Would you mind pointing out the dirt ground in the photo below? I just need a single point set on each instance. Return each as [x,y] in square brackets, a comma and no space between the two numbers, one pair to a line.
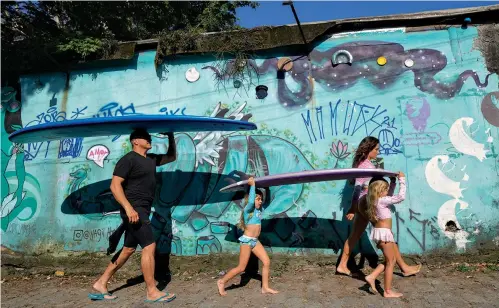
[304,281]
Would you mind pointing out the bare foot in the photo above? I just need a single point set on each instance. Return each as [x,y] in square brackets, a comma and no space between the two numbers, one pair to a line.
[413,270]
[269,291]
[343,271]
[372,283]
[160,296]
[392,293]
[221,287]
[99,287]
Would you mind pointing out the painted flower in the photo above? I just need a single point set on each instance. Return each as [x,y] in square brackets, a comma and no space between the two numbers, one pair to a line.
[340,150]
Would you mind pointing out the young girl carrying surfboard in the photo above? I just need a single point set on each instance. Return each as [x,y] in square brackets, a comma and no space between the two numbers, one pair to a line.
[250,223]
[375,208]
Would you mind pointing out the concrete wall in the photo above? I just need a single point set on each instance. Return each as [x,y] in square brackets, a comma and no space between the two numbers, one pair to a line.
[437,121]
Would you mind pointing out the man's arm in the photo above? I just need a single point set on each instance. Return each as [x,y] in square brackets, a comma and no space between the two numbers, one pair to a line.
[171,155]
[119,195]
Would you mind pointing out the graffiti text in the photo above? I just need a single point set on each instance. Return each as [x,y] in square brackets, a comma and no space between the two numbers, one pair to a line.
[347,118]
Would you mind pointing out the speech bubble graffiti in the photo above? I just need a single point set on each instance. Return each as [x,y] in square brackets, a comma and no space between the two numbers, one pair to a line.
[97,154]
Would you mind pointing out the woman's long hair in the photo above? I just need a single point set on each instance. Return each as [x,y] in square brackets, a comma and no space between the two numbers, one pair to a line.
[366,145]
[376,188]
[241,225]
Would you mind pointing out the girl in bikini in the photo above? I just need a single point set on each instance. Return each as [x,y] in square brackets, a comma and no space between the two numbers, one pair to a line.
[250,223]
[368,150]
[375,208]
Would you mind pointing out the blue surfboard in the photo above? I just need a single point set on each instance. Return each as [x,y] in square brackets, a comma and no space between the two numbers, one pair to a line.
[92,127]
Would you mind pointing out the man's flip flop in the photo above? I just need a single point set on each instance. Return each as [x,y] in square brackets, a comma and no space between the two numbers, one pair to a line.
[161,299]
[343,274]
[100,296]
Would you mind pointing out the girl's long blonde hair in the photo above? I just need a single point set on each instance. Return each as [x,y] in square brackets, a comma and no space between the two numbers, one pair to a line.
[241,225]
[376,188]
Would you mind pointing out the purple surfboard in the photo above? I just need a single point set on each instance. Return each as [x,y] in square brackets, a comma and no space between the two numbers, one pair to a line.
[309,177]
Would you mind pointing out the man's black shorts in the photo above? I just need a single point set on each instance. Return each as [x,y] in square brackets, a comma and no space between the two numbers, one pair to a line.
[139,233]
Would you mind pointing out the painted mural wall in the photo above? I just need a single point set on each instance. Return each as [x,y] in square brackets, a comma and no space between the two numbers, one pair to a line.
[426,95]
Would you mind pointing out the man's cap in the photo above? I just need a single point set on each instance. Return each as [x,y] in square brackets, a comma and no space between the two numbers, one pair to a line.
[140,134]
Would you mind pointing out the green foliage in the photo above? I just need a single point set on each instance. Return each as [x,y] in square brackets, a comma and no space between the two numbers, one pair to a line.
[83,47]
[48,33]
[173,42]
[221,15]
[464,268]
[209,16]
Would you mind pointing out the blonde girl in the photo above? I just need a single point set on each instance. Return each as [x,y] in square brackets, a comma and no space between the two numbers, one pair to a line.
[376,208]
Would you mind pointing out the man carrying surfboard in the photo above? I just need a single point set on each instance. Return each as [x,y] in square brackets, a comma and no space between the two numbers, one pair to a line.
[133,186]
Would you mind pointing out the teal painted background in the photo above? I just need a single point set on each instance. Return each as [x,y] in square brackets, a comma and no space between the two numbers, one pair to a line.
[437,122]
